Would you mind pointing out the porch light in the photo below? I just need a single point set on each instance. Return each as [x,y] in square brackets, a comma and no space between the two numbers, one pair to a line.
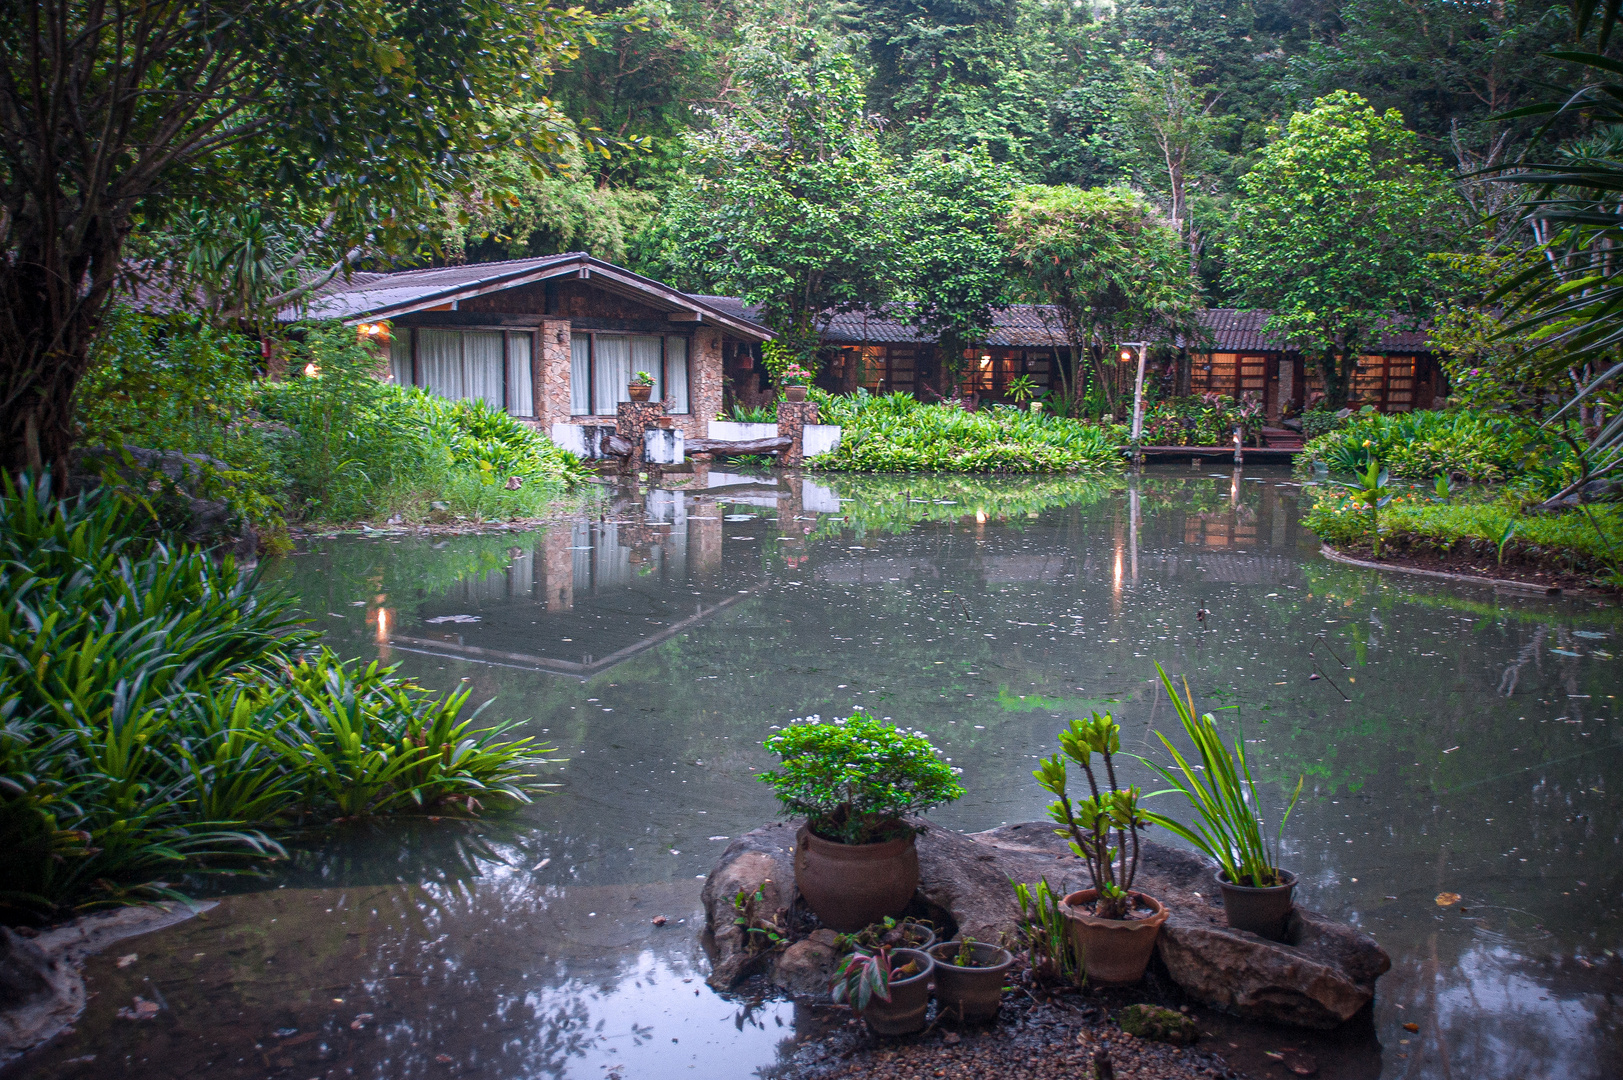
[311,370]
[1126,356]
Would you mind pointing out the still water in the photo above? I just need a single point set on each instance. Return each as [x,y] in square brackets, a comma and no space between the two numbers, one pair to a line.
[1456,741]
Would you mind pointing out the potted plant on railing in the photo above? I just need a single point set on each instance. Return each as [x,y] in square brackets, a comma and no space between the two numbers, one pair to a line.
[890,988]
[641,387]
[1257,894]
[969,978]
[795,379]
[1112,927]
[853,781]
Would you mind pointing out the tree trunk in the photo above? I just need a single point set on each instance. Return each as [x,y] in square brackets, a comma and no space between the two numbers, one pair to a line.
[49,317]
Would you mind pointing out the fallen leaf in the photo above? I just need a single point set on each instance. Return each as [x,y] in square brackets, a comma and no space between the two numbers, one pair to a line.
[1446,899]
[141,1010]
[660,920]
[1411,1027]
[360,1021]
[1301,1064]
[127,960]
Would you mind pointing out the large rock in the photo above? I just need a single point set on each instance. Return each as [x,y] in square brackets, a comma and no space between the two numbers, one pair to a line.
[1324,975]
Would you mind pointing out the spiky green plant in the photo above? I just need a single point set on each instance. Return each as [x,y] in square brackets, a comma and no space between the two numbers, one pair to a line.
[1224,796]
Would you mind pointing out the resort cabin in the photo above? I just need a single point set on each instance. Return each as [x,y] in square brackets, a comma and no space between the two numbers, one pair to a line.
[552,340]
[1399,375]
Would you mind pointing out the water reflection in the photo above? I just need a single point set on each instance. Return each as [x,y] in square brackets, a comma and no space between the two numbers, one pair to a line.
[655,641]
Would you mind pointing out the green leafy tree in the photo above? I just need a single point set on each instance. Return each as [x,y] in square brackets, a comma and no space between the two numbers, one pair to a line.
[113,114]
[1174,127]
[789,203]
[952,270]
[1108,265]
[1334,229]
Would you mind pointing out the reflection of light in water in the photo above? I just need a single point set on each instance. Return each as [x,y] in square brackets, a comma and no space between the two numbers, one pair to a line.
[383,624]
[980,517]
[1118,569]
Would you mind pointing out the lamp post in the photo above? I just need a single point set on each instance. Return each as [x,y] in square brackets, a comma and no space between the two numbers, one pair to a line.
[1128,349]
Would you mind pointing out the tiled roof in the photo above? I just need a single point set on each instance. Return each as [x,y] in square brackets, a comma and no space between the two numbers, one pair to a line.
[1038,326]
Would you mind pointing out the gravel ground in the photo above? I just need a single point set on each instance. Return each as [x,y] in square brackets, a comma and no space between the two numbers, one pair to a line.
[1031,1041]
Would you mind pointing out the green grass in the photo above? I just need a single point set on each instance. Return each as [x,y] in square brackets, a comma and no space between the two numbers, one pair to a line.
[162,715]
[898,434]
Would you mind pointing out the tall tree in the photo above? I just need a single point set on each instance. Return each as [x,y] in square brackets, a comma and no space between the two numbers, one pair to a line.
[1173,124]
[788,204]
[1108,265]
[1335,229]
[114,112]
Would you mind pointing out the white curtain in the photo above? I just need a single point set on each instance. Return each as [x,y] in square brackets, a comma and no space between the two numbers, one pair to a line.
[482,365]
[520,383]
[580,376]
[676,374]
[645,356]
[400,356]
[439,356]
[611,361]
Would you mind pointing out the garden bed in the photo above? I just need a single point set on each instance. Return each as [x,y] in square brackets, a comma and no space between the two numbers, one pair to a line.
[1468,560]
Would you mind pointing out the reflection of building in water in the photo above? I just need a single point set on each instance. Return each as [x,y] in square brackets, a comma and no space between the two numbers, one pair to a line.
[607,589]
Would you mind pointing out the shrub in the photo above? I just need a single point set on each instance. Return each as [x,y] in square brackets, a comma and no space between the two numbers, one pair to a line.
[1463,443]
[156,720]
[853,778]
[897,433]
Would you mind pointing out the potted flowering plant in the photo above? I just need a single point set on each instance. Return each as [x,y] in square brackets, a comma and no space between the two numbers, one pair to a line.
[1112,927]
[641,387]
[853,781]
[795,379]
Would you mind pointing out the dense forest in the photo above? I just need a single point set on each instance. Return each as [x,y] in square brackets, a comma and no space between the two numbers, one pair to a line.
[1176,98]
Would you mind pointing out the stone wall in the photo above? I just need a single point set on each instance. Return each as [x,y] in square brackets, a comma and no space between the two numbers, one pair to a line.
[550,369]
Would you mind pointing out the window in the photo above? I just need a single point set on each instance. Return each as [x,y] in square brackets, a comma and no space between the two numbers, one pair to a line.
[468,365]
[601,367]
[871,368]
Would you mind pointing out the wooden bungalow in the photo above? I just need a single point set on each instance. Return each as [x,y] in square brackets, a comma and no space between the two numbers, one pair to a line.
[553,340]
[1400,374]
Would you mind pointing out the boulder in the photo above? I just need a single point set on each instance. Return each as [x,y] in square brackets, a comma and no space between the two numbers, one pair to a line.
[1162,1025]
[1322,976]
[764,861]
[805,968]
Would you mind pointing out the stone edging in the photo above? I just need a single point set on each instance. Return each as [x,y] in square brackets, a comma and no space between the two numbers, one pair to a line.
[1468,579]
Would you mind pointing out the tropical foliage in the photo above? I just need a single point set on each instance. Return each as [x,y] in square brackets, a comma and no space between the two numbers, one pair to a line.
[1464,444]
[163,714]
[1223,794]
[854,779]
[897,433]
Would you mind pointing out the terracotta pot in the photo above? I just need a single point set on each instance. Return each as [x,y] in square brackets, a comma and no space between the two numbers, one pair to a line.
[1114,952]
[794,393]
[852,885]
[970,993]
[1265,912]
[903,1014]
[640,391]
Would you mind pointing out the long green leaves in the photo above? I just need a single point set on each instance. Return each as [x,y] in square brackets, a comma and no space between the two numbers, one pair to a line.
[1224,796]
[154,721]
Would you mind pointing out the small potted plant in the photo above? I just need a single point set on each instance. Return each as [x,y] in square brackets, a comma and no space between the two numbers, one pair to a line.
[888,932]
[853,781]
[969,977]
[889,988]
[1257,894]
[795,379]
[1112,927]
[641,387]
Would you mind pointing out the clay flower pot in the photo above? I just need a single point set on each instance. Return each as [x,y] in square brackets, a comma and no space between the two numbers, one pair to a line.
[1265,912]
[640,391]
[849,886]
[794,393]
[970,993]
[1114,952]
[903,1014]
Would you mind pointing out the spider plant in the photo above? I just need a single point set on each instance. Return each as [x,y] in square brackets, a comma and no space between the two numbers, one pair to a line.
[1224,795]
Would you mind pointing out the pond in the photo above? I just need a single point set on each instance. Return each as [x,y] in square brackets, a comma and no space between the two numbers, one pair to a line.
[1456,741]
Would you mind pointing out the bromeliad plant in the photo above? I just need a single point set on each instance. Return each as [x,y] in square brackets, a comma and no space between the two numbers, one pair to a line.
[1224,795]
[1090,822]
[853,780]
